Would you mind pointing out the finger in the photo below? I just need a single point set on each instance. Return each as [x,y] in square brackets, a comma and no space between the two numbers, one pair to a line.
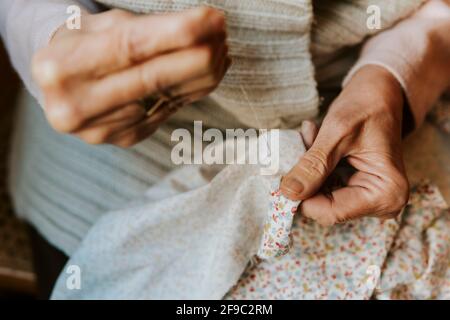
[100,130]
[220,63]
[103,21]
[366,195]
[204,82]
[339,206]
[131,41]
[195,96]
[129,137]
[106,20]
[99,22]
[309,132]
[154,76]
[313,168]
[132,84]
[133,111]
[169,106]
[140,131]
[104,128]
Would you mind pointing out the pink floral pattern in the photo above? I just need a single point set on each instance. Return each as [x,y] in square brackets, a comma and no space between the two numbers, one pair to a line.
[277,238]
[404,258]
[418,264]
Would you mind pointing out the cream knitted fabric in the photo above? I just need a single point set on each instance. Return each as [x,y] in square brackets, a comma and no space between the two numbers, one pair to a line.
[269,43]
[338,24]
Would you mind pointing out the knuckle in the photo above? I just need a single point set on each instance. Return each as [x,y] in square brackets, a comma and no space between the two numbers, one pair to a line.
[97,136]
[324,218]
[393,196]
[378,202]
[150,81]
[143,79]
[399,196]
[64,118]
[375,198]
[221,20]
[158,84]
[127,141]
[41,56]
[132,138]
[45,70]
[187,28]
[207,13]
[327,221]
[398,187]
[315,162]
[203,14]
[126,47]
[132,111]
[340,126]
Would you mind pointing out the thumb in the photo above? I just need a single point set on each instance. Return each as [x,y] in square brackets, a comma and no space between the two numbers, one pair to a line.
[309,174]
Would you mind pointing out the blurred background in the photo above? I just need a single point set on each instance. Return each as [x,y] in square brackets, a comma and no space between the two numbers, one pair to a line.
[16,270]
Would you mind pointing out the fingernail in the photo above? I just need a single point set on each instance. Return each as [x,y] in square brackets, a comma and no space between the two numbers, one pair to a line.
[292,185]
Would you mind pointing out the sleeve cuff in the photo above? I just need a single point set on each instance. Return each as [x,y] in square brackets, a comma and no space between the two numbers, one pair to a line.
[30,27]
[420,65]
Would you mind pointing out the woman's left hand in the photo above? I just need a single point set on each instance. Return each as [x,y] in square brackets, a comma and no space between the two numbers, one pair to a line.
[364,127]
[120,76]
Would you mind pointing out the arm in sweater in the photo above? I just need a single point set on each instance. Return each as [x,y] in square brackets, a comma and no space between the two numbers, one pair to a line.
[26,26]
[417,52]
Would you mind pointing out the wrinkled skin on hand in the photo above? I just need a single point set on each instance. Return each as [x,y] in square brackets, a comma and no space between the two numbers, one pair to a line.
[363,127]
[93,78]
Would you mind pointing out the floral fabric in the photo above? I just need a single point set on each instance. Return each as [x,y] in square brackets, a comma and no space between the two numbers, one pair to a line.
[406,258]
[418,264]
[277,238]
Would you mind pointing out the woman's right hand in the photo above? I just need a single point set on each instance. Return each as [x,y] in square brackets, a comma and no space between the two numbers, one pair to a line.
[93,79]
